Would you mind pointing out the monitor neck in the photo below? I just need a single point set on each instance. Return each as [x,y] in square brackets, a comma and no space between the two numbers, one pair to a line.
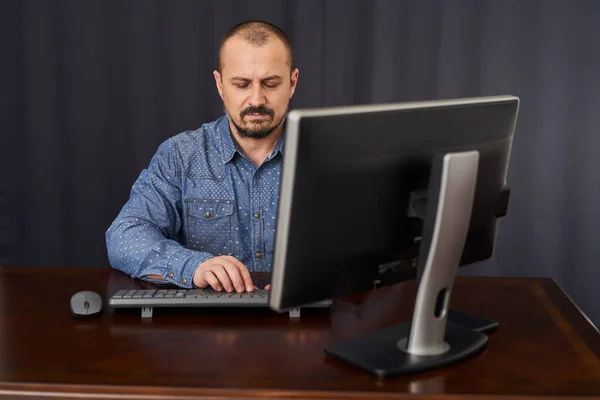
[447,217]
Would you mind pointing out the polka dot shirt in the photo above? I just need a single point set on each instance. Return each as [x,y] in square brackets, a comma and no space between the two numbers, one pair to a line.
[200,197]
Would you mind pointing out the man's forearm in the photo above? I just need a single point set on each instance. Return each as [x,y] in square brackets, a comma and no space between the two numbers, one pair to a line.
[139,249]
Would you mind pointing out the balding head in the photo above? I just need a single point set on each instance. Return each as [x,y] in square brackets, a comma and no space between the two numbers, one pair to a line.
[256,33]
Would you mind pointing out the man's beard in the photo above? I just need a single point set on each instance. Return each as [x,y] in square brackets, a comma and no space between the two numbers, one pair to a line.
[255,134]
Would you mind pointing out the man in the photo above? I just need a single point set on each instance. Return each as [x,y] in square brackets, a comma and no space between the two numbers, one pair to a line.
[203,213]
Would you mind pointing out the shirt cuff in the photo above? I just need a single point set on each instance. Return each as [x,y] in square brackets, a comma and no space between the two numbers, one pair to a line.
[183,264]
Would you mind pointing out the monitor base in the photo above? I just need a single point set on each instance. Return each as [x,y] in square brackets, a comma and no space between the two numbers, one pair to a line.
[471,321]
[383,352]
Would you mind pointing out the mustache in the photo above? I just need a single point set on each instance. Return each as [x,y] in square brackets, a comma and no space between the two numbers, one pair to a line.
[262,110]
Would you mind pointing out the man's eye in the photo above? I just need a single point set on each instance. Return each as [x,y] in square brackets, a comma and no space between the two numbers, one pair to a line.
[242,85]
[271,85]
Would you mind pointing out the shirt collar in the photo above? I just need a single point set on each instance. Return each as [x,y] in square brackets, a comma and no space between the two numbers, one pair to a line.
[228,144]
[230,147]
[278,147]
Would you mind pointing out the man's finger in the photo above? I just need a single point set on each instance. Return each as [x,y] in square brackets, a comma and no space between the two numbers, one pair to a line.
[234,274]
[223,277]
[245,275]
[268,287]
[212,280]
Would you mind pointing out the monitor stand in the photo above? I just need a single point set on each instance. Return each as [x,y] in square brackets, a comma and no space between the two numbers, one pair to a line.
[429,341]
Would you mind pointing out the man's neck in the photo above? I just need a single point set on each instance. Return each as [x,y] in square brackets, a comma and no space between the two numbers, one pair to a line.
[257,150]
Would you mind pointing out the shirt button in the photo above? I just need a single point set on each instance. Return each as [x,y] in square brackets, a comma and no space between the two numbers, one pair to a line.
[171,275]
[258,255]
[256,215]
[184,280]
[207,214]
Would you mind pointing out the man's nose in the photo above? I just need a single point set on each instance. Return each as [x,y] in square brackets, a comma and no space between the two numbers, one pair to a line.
[257,97]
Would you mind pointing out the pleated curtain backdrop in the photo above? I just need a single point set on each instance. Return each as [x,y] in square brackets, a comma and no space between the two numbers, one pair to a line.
[91,88]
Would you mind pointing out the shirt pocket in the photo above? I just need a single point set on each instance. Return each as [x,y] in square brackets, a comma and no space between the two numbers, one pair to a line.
[209,224]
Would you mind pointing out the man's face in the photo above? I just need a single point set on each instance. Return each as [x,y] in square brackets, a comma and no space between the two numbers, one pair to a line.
[256,85]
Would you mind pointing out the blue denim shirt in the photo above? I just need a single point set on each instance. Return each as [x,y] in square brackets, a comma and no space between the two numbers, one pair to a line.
[200,197]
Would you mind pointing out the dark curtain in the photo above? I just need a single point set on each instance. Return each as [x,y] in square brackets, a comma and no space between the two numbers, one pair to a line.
[90,88]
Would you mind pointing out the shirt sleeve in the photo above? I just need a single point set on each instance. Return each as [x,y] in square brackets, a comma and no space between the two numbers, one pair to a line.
[142,239]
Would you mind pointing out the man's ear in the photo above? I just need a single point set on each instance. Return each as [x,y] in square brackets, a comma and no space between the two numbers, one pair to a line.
[294,81]
[219,83]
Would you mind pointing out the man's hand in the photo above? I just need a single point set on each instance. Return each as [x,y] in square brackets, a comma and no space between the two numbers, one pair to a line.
[223,272]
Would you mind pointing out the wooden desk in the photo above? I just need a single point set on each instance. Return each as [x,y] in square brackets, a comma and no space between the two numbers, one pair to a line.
[544,346]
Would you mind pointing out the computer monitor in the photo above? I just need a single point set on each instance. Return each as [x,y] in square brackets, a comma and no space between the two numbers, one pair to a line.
[376,194]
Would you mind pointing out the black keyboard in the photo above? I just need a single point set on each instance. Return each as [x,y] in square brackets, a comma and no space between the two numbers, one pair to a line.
[149,299]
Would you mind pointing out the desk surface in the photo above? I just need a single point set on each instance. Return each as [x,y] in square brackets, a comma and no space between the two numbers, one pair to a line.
[543,346]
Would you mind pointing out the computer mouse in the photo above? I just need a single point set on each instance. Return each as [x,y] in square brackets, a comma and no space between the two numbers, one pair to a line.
[86,304]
